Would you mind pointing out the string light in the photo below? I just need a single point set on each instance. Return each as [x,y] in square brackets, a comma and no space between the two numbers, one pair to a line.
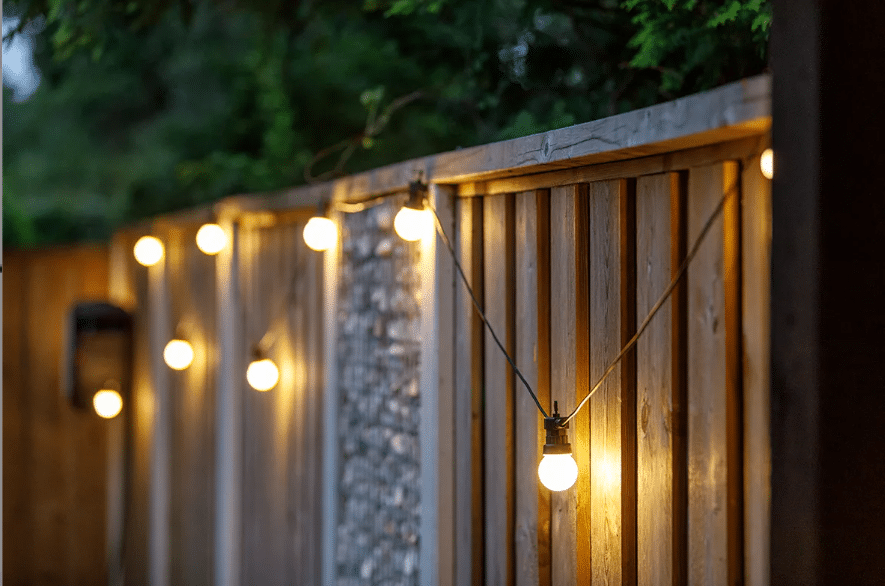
[148,251]
[413,221]
[107,403]
[178,354]
[262,374]
[320,233]
[558,470]
[211,238]
[766,163]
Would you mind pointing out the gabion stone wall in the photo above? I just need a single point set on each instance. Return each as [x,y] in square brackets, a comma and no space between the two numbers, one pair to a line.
[378,372]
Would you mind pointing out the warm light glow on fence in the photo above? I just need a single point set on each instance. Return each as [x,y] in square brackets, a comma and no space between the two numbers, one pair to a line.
[178,354]
[263,375]
[766,163]
[211,238]
[107,403]
[320,233]
[412,224]
[148,251]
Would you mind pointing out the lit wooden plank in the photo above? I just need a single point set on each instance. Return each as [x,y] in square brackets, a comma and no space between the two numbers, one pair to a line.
[654,397]
[707,518]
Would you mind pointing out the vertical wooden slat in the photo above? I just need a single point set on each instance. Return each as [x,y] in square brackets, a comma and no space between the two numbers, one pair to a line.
[528,451]
[229,409]
[581,423]
[653,384]
[756,258]
[542,245]
[707,457]
[563,378]
[498,216]
[469,542]
[435,431]
[627,299]
[679,373]
[160,332]
[17,512]
[733,371]
[605,406]
[314,355]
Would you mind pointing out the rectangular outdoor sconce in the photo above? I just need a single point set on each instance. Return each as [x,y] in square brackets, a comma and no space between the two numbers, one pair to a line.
[98,357]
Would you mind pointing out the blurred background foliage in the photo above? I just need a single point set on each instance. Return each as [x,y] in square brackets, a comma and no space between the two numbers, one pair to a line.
[148,107]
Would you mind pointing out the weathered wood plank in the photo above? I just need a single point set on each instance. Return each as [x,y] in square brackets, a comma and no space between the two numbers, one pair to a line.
[605,406]
[469,542]
[542,199]
[159,333]
[707,458]
[563,376]
[653,384]
[314,356]
[229,408]
[731,252]
[756,259]
[437,386]
[627,299]
[498,218]
[528,451]
[654,164]
[17,460]
[679,373]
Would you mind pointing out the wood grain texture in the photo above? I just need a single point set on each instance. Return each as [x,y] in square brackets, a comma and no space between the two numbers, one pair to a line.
[734,428]
[707,457]
[756,267]
[498,219]
[653,384]
[229,405]
[55,456]
[192,402]
[542,203]
[469,480]
[528,451]
[605,405]
[647,165]
[679,373]
[563,376]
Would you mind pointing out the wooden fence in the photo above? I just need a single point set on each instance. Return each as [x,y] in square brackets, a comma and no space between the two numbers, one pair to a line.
[568,239]
[55,456]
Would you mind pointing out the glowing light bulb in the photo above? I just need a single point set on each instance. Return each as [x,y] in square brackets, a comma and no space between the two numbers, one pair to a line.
[412,224]
[107,403]
[148,251]
[263,375]
[178,354]
[766,163]
[211,238]
[320,233]
[558,471]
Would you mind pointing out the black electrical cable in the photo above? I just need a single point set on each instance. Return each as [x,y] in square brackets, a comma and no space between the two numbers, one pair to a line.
[645,323]
[482,315]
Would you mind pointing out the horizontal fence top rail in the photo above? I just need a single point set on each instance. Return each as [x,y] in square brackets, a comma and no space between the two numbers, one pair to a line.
[730,112]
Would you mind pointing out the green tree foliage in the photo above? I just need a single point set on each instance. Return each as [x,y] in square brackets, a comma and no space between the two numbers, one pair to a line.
[148,107]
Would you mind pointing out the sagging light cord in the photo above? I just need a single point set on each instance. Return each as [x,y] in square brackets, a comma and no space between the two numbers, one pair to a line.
[479,310]
[658,305]
[628,346]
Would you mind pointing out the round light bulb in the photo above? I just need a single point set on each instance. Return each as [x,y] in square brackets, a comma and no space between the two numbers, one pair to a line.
[211,238]
[412,224]
[148,251]
[558,471]
[320,233]
[766,163]
[263,375]
[178,354]
[107,403]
